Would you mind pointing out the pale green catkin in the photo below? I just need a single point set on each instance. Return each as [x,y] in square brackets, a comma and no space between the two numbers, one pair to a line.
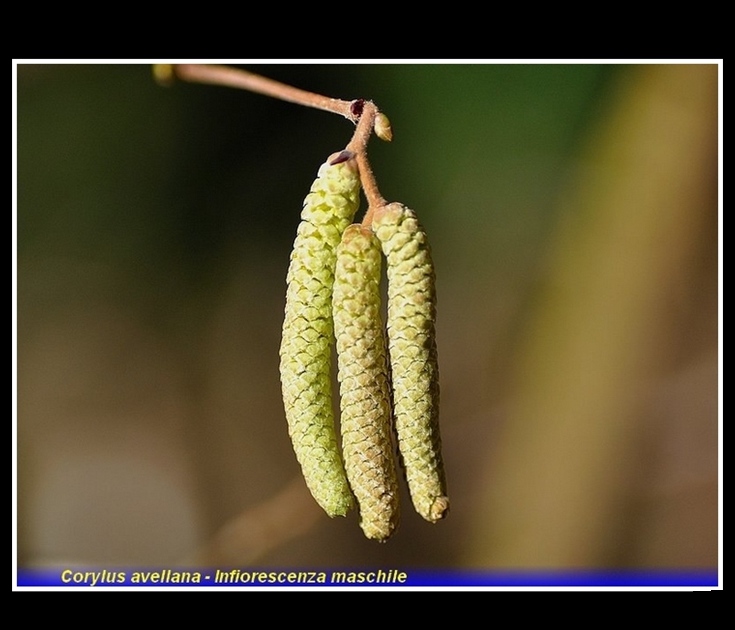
[363,376]
[308,332]
[413,358]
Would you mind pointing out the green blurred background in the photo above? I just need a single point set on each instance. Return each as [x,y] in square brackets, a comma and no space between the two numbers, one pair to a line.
[572,211]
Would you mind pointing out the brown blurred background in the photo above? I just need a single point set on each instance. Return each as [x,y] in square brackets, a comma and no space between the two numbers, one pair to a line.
[573,216]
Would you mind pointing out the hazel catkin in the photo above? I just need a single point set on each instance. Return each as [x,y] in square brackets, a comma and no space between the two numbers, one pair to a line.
[364,390]
[308,335]
[413,356]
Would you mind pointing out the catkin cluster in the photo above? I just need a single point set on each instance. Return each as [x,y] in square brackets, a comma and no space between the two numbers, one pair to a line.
[386,386]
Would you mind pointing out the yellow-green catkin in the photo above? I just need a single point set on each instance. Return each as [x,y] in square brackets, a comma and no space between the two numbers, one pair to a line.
[413,357]
[367,444]
[308,332]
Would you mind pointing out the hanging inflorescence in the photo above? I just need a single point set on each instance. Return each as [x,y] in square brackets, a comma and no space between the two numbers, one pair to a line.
[387,372]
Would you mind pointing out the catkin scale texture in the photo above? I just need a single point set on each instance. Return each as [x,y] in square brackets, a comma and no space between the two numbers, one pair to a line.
[363,376]
[413,356]
[308,333]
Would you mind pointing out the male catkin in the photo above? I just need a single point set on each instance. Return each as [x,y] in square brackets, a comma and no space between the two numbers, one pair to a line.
[365,395]
[413,359]
[308,331]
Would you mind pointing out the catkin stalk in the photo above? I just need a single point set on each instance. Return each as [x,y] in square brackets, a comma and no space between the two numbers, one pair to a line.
[308,332]
[413,357]
[364,391]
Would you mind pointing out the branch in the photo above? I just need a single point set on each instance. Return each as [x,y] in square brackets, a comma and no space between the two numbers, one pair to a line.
[260,528]
[365,113]
[358,145]
[244,80]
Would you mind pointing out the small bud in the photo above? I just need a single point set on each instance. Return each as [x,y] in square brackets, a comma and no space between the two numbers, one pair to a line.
[308,333]
[357,106]
[363,376]
[339,157]
[413,357]
[382,127]
[164,74]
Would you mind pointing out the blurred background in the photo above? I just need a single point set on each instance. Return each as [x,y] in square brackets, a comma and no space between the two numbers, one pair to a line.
[572,211]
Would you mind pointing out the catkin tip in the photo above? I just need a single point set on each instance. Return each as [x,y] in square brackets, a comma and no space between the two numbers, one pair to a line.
[340,509]
[439,509]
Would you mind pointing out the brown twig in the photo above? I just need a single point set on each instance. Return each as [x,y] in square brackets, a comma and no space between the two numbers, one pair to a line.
[242,79]
[358,145]
[365,113]
[260,528]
